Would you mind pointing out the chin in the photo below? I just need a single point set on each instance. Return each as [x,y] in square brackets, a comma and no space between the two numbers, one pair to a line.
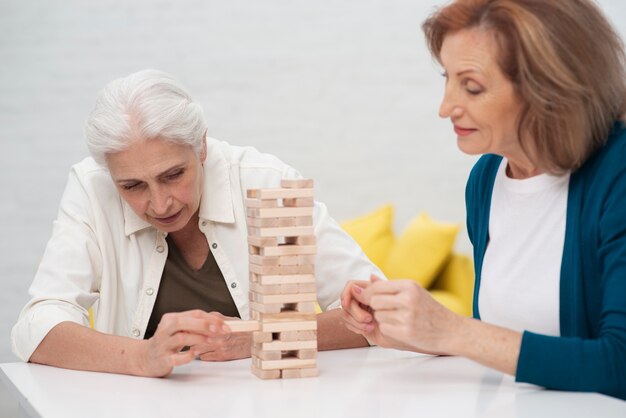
[469,147]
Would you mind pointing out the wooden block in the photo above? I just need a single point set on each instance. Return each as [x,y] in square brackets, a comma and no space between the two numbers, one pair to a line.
[284,212]
[262,337]
[287,249]
[258,203]
[296,183]
[297,336]
[281,193]
[284,260]
[279,222]
[289,298]
[265,355]
[265,374]
[285,316]
[280,326]
[291,346]
[305,307]
[274,289]
[299,373]
[296,221]
[282,279]
[281,270]
[307,288]
[299,202]
[265,222]
[265,308]
[289,231]
[262,241]
[306,352]
[296,260]
[242,326]
[303,240]
[288,363]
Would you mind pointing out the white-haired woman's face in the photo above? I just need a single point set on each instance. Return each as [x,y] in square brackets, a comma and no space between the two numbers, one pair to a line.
[161,181]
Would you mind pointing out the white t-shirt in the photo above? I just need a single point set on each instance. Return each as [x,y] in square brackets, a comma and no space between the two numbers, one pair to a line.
[521,271]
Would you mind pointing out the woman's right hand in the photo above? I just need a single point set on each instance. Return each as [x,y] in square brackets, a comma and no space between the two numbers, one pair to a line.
[359,318]
[162,352]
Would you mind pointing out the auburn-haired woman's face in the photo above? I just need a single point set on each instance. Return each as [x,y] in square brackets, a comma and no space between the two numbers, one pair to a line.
[479,100]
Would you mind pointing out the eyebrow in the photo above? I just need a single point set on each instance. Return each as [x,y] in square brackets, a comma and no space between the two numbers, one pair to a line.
[160,175]
[469,70]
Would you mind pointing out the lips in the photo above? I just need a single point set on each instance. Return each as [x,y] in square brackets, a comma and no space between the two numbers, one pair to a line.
[463,131]
[168,219]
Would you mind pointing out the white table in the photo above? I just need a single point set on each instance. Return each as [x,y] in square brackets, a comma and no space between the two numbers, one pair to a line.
[366,382]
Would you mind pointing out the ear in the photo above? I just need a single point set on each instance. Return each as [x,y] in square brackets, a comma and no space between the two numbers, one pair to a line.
[203,153]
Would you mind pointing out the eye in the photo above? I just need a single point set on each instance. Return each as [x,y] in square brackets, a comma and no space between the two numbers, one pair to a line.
[472,87]
[130,186]
[176,174]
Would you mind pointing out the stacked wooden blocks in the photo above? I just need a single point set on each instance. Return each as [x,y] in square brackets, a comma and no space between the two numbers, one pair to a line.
[282,280]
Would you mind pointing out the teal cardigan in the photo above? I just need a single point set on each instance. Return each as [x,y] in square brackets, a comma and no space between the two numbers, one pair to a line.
[590,354]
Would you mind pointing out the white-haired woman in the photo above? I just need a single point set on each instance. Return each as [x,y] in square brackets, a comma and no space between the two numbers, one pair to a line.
[153,229]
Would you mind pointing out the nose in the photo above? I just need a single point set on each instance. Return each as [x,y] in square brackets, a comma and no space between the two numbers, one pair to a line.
[160,201]
[450,106]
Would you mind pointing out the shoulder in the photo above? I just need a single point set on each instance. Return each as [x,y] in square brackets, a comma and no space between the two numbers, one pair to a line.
[482,175]
[89,185]
[608,164]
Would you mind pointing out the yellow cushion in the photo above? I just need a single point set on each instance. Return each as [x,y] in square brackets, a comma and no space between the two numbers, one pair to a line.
[373,232]
[421,250]
[457,278]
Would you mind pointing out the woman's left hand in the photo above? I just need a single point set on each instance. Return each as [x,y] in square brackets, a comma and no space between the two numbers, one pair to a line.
[407,313]
[230,346]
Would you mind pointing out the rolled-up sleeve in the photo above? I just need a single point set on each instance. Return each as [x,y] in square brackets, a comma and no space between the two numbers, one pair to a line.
[66,282]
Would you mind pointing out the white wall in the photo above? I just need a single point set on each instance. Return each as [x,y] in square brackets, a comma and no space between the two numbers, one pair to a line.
[343,90]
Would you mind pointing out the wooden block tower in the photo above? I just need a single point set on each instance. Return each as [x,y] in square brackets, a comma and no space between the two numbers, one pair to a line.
[282,280]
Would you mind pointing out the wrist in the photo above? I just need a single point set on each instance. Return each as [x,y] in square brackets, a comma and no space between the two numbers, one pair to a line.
[134,357]
[460,336]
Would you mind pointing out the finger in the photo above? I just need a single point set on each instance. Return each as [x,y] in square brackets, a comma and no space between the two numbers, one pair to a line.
[384,301]
[204,324]
[388,287]
[374,278]
[346,294]
[176,342]
[390,318]
[360,313]
[182,358]
[355,325]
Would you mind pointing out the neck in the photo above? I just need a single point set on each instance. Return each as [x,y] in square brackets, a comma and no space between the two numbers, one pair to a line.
[188,231]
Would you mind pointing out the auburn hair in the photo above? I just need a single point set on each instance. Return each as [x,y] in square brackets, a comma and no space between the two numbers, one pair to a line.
[566,63]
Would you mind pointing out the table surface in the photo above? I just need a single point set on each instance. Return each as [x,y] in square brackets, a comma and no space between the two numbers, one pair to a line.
[365,382]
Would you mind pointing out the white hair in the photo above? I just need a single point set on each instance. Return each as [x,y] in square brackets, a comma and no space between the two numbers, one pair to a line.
[148,104]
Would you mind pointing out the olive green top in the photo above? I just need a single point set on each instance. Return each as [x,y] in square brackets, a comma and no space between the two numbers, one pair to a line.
[182,288]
